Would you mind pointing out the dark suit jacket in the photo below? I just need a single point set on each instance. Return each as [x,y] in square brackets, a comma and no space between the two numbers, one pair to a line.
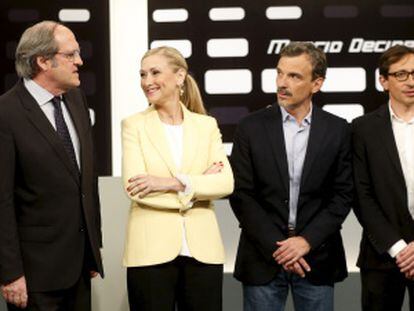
[381,193]
[260,200]
[48,211]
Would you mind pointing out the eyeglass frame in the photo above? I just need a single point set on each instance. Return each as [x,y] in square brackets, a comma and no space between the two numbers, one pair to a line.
[407,73]
[70,56]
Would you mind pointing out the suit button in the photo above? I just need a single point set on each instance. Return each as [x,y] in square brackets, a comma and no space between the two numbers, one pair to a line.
[83,195]
[81,229]
[286,201]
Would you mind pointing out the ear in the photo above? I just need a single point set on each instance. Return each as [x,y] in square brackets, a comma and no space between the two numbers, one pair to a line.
[180,75]
[43,63]
[317,84]
[384,82]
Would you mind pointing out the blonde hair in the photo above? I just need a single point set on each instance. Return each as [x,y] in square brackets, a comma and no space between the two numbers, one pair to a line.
[191,97]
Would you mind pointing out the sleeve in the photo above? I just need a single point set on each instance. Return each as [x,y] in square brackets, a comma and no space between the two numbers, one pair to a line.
[330,219]
[210,186]
[254,220]
[396,248]
[133,164]
[11,266]
[379,230]
[97,202]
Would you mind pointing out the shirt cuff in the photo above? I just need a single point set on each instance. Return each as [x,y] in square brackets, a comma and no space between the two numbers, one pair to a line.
[396,248]
[187,189]
[186,183]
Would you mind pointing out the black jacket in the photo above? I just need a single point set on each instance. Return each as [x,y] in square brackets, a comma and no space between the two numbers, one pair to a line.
[260,200]
[381,193]
[48,210]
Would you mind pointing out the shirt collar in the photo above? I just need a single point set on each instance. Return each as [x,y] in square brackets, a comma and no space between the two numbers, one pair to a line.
[286,116]
[396,118]
[40,94]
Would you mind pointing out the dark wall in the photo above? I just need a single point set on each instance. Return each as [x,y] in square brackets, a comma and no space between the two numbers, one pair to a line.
[93,37]
[324,21]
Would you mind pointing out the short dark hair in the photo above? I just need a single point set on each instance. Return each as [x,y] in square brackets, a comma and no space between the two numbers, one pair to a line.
[391,56]
[317,56]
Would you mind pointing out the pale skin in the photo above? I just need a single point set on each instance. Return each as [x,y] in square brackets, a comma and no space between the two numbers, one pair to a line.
[161,84]
[295,87]
[401,95]
[57,75]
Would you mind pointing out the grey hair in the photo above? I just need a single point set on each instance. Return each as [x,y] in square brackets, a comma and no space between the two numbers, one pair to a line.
[38,40]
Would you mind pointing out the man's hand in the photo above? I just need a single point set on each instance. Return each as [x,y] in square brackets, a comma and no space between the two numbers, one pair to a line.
[16,292]
[143,184]
[405,261]
[299,267]
[291,250]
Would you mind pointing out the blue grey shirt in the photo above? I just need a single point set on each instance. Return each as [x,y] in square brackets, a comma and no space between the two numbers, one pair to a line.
[296,141]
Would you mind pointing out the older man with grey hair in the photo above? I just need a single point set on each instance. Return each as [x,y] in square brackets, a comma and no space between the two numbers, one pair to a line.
[50,235]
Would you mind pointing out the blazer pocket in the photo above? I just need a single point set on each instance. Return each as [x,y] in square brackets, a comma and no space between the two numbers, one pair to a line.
[40,234]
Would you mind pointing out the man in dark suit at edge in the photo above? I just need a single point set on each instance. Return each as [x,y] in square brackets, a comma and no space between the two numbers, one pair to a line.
[50,235]
[383,157]
[293,190]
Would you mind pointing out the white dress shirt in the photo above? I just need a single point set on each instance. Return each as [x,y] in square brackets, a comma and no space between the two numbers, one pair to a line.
[44,98]
[174,134]
[404,138]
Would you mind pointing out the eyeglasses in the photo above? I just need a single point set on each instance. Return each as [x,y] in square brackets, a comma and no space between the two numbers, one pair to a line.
[402,75]
[70,56]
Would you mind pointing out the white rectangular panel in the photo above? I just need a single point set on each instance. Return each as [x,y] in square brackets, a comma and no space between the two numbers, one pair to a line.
[269,80]
[228,81]
[378,85]
[349,79]
[227,47]
[74,15]
[226,14]
[184,46]
[170,15]
[346,111]
[283,12]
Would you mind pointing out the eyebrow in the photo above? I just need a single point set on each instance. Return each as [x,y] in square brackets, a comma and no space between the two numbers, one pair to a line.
[152,68]
[289,72]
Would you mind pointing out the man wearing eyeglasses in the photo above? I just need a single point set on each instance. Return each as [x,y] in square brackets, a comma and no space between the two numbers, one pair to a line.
[50,235]
[383,159]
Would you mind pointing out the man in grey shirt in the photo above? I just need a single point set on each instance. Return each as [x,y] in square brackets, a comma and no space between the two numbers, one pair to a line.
[293,190]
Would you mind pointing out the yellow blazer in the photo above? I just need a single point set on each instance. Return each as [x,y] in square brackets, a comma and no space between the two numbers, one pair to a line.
[154,233]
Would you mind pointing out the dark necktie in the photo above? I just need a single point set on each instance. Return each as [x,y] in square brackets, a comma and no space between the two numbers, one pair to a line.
[62,129]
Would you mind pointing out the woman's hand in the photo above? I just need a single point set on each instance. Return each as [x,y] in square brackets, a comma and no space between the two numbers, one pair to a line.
[215,168]
[143,184]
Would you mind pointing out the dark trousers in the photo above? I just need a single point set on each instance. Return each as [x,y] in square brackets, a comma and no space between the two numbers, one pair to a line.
[74,298]
[383,290]
[184,283]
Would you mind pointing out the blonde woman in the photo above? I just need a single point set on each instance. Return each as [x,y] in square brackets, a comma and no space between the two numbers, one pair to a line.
[174,166]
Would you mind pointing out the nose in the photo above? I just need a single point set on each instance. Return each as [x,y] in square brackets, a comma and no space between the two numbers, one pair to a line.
[280,80]
[147,80]
[78,60]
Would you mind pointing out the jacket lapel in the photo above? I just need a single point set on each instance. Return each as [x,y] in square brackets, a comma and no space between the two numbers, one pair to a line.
[274,127]
[76,116]
[315,142]
[156,134]
[39,120]
[386,133]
